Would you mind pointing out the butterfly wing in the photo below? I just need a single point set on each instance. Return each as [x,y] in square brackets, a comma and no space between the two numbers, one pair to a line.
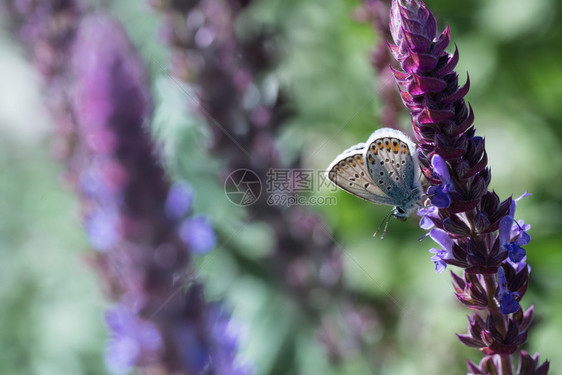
[392,164]
[348,172]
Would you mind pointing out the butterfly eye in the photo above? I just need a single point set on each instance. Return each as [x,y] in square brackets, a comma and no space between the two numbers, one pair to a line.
[400,210]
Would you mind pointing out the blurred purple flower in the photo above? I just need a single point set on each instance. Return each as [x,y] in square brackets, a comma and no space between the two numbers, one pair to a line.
[133,341]
[98,92]
[179,200]
[207,343]
[101,227]
[226,335]
[198,234]
[232,73]
[103,78]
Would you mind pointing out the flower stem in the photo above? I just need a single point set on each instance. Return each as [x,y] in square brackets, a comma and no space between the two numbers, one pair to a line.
[506,365]
[493,308]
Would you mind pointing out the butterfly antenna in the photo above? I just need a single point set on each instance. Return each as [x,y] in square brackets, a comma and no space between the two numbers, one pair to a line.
[385,221]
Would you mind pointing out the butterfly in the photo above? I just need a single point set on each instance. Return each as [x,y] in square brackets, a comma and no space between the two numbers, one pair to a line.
[383,170]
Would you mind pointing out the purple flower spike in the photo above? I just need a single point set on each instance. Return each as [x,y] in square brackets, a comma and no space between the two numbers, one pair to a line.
[198,234]
[98,91]
[476,230]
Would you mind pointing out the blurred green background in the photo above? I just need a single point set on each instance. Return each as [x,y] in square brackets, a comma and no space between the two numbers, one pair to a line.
[51,308]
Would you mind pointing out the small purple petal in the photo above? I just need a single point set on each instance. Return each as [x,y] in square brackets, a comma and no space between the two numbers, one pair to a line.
[430,211]
[504,233]
[523,239]
[512,209]
[121,355]
[440,167]
[508,304]
[524,227]
[502,282]
[516,252]
[117,320]
[442,238]
[179,200]
[426,223]
[133,340]
[101,228]
[198,234]
[439,196]
[438,259]
[428,214]
[525,194]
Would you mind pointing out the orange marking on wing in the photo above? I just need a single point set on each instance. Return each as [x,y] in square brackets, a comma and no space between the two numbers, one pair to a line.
[395,146]
[371,159]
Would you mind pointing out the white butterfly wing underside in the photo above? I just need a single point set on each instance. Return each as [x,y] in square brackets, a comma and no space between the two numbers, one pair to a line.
[392,165]
[348,171]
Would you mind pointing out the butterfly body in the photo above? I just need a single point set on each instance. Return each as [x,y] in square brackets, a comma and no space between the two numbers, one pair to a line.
[383,170]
